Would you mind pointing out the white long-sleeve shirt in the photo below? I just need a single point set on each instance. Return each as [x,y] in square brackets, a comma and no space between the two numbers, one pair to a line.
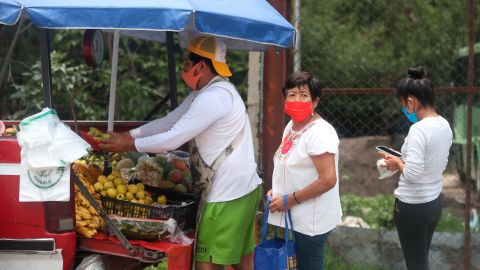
[213,115]
[425,153]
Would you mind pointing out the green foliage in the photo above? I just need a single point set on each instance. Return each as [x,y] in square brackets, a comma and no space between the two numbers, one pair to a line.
[142,79]
[449,222]
[66,78]
[375,211]
[163,265]
[370,44]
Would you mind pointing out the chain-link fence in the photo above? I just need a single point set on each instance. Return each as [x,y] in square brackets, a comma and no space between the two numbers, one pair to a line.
[360,49]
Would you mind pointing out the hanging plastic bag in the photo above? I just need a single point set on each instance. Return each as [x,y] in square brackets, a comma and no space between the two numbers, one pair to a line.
[48,147]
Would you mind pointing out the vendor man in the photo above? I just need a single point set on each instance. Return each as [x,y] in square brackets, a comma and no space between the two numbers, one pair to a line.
[213,119]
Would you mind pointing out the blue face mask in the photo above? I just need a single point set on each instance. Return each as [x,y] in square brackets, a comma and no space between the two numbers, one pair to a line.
[411,116]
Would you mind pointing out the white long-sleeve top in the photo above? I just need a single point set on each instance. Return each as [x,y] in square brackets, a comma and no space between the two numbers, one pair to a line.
[425,153]
[213,115]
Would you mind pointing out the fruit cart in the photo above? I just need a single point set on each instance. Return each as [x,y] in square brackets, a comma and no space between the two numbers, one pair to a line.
[243,24]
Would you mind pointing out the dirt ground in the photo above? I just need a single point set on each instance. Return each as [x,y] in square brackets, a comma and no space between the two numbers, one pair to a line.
[358,174]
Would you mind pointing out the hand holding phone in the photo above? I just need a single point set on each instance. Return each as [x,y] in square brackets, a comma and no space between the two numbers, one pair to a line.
[389,151]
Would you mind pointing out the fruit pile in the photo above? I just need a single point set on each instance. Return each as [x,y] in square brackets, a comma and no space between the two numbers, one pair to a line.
[87,219]
[95,162]
[97,134]
[163,171]
[176,175]
[11,131]
[114,186]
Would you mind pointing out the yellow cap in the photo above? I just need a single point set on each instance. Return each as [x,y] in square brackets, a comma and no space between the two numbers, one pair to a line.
[213,49]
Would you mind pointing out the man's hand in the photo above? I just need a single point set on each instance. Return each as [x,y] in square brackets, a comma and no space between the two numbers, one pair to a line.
[119,142]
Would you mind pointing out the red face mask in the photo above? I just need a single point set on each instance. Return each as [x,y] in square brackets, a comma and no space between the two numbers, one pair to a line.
[299,111]
[191,80]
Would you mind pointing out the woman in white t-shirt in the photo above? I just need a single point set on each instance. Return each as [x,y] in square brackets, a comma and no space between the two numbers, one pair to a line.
[306,169]
[418,204]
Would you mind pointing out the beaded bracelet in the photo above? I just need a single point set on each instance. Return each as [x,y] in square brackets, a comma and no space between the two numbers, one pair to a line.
[295,198]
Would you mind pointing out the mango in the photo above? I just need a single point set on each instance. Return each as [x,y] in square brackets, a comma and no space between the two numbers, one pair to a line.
[181,188]
[175,176]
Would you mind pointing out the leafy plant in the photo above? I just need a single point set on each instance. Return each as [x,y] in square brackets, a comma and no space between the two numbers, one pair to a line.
[377,212]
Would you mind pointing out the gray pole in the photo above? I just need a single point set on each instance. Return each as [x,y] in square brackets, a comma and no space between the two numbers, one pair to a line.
[468,173]
[297,57]
[46,67]
[172,79]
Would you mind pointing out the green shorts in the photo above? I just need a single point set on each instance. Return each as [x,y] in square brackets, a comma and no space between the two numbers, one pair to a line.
[227,229]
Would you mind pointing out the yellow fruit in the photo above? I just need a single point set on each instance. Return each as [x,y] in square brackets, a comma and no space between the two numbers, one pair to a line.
[162,200]
[140,195]
[98,187]
[112,193]
[134,201]
[120,196]
[141,186]
[110,177]
[116,173]
[122,189]
[118,181]
[103,193]
[89,233]
[108,185]
[141,201]
[132,188]
[102,179]
[148,200]
[129,196]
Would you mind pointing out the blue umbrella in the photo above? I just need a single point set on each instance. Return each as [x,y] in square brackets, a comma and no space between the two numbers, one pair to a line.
[243,24]
[253,20]
[162,15]
[9,12]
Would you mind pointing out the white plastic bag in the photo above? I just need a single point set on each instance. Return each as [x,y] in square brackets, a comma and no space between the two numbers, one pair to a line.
[48,148]
[383,172]
[48,143]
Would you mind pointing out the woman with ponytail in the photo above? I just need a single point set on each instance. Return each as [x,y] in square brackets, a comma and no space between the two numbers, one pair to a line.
[418,203]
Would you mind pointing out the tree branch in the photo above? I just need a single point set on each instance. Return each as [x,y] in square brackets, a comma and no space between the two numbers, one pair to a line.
[6,63]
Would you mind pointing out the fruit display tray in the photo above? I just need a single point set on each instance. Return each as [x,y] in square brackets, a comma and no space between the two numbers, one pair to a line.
[183,212]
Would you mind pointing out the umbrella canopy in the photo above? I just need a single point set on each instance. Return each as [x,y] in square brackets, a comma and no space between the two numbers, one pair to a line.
[160,15]
[243,24]
[9,12]
[254,20]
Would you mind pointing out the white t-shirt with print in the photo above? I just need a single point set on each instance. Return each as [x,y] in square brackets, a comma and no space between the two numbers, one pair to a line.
[295,170]
[214,116]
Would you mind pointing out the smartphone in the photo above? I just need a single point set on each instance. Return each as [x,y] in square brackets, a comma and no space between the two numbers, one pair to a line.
[389,151]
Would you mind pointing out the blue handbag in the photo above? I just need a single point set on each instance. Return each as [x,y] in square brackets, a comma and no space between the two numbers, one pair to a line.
[275,253]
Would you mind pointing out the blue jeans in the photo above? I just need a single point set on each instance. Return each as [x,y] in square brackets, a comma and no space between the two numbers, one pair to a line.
[310,250]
